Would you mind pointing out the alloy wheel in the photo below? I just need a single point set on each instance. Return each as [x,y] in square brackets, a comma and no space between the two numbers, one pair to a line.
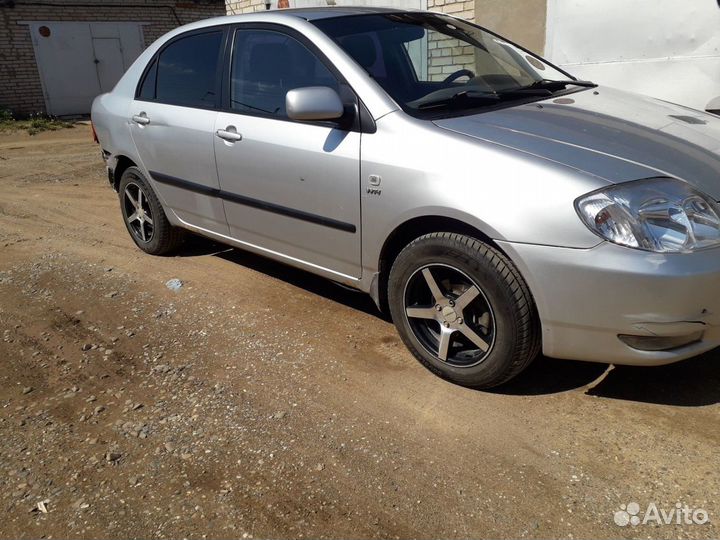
[138,212]
[449,315]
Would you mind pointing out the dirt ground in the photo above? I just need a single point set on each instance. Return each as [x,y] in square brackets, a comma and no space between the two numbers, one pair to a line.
[259,401]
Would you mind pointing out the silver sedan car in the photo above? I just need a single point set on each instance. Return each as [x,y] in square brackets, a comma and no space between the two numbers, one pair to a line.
[492,203]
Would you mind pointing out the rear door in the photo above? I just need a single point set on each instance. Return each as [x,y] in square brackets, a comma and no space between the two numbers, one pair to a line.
[291,188]
[172,123]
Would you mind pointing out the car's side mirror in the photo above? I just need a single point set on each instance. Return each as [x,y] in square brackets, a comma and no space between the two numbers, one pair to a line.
[313,103]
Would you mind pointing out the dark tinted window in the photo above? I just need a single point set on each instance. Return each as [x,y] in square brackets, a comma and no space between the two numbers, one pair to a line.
[433,65]
[266,65]
[147,90]
[187,69]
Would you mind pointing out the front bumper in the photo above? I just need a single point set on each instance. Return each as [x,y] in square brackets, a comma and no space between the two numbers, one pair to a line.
[586,298]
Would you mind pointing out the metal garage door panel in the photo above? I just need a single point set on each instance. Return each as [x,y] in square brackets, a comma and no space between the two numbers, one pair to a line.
[66,63]
[133,41]
[663,48]
[79,60]
[105,30]
[109,62]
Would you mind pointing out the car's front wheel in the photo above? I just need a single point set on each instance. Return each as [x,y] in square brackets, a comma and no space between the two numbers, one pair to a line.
[463,310]
[144,216]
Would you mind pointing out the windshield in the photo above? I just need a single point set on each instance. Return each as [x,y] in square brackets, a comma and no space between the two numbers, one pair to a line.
[435,65]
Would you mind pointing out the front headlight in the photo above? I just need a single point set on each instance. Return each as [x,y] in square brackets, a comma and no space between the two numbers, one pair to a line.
[663,215]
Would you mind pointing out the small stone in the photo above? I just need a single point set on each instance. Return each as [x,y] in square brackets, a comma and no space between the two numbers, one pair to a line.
[174,284]
[162,368]
[86,346]
[112,294]
[319,467]
[27,389]
[99,409]
[112,457]
[279,415]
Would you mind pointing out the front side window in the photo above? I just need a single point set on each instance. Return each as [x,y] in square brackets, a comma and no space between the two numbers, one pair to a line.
[267,64]
[432,64]
[187,71]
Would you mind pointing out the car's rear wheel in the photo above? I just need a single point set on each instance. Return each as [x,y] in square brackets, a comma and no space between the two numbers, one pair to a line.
[144,216]
[463,310]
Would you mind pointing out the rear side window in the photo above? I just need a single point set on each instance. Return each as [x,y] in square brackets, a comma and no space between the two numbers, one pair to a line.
[187,71]
[147,90]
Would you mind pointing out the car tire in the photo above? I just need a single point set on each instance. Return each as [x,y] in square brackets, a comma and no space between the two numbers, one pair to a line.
[144,216]
[454,296]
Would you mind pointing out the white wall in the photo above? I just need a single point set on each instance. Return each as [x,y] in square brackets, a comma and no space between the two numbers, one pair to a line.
[669,49]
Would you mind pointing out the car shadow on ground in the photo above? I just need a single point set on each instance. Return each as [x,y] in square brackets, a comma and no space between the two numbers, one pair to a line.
[196,246]
[690,383]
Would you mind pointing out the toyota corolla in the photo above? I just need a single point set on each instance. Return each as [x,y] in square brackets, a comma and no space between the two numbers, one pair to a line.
[495,205]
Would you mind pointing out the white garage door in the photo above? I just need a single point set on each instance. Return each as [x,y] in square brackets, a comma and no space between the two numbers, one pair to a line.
[669,49]
[79,60]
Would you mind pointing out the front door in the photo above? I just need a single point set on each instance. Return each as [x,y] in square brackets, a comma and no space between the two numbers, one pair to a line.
[290,188]
[172,124]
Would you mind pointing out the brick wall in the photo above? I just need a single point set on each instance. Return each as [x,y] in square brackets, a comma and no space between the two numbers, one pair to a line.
[236,7]
[445,55]
[20,87]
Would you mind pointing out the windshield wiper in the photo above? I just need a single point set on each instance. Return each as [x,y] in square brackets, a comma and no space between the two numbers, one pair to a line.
[549,84]
[525,91]
[460,97]
[543,88]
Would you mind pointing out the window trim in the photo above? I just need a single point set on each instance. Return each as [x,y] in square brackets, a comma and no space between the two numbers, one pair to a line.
[154,63]
[151,67]
[363,122]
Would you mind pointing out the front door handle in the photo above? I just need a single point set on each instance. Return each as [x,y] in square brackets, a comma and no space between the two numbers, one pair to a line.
[141,119]
[229,134]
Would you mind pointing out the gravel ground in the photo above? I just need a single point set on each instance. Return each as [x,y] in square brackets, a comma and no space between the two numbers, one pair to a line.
[258,401]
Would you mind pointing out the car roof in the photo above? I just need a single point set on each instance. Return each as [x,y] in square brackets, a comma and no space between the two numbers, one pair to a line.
[315,13]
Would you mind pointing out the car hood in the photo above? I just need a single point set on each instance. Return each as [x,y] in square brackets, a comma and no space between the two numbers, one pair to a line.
[608,133]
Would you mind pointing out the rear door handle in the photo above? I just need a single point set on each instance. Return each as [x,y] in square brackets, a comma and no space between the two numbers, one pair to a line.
[229,134]
[141,119]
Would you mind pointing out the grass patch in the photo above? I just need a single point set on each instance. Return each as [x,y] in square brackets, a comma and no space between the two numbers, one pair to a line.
[33,125]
